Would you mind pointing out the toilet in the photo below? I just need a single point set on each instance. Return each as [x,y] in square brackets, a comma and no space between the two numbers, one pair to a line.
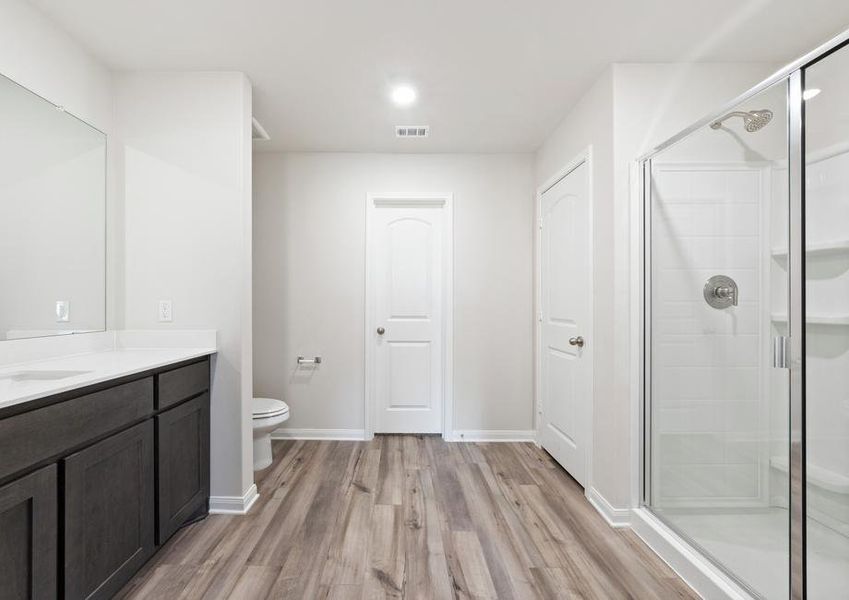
[268,415]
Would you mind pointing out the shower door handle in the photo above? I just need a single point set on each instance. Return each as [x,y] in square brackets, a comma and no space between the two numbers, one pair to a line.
[780,352]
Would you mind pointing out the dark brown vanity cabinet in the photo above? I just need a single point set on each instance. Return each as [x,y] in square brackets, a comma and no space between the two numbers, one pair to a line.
[94,480]
[28,541]
[183,457]
[109,513]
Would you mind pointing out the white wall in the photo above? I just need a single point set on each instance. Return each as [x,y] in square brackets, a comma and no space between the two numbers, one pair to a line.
[590,123]
[185,166]
[630,109]
[309,260]
[43,58]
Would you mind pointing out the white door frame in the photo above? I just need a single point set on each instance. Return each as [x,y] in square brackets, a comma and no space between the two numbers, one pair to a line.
[585,156]
[447,203]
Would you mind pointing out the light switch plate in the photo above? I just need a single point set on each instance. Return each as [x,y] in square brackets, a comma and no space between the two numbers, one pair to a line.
[165,314]
[63,311]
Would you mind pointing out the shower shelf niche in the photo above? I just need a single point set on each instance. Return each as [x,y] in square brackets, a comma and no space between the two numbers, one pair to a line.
[841,320]
[817,249]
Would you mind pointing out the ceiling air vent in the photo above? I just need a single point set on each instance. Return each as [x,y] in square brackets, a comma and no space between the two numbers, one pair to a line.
[412,131]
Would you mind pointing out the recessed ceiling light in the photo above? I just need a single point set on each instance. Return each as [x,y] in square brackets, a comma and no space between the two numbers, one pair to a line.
[403,95]
[810,93]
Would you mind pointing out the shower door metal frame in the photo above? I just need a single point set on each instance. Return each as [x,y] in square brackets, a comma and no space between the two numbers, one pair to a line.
[796,330]
[793,75]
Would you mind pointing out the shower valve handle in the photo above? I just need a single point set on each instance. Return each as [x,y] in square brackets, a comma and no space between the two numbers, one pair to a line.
[727,293]
[721,291]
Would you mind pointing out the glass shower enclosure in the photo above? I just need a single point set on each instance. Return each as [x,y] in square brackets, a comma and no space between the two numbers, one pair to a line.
[746,329]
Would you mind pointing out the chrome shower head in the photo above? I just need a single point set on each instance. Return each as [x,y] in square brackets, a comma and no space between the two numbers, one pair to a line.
[752,121]
[758,120]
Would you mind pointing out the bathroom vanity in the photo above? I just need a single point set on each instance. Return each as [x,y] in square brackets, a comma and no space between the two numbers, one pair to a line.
[95,478]
[104,432]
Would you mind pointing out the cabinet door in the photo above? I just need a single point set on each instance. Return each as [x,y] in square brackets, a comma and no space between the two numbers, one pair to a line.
[28,536]
[109,513]
[183,458]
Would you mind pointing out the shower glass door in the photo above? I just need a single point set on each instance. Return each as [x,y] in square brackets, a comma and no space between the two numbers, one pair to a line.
[827,325]
[717,299]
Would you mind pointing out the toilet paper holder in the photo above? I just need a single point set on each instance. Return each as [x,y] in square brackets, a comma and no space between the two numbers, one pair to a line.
[309,361]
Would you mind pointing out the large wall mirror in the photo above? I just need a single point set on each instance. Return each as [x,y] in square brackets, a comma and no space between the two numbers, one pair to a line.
[52,219]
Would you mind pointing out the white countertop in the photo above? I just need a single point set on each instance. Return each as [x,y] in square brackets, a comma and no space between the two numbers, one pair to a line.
[25,381]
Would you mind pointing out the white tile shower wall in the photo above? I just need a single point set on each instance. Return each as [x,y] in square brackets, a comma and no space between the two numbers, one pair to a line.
[778,380]
[827,345]
[709,409]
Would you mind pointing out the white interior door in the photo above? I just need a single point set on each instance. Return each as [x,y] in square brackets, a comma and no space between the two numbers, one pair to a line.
[565,321]
[408,243]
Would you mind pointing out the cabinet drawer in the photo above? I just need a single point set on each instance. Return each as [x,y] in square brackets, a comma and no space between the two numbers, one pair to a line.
[180,384]
[31,437]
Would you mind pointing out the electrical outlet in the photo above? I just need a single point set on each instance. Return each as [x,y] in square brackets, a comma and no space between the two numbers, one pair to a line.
[63,311]
[165,314]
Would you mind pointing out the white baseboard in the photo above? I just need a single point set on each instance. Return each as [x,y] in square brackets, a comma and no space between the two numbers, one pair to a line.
[615,517]
[287,433]
[464,435]
[233,505]
[696,570]
[492,435]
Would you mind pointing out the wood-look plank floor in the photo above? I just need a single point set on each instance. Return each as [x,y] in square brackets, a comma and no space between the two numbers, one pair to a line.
[409,517]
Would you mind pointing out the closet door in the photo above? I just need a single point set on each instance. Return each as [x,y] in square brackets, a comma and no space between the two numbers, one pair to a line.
[565,352]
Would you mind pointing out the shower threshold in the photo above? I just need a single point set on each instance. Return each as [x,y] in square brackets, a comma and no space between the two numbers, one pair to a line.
[752,544]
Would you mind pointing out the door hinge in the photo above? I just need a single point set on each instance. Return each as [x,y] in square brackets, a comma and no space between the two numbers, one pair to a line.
[539,222]
[781,352]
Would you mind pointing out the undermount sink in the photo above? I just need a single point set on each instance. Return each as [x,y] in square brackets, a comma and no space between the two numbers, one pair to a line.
[42,375]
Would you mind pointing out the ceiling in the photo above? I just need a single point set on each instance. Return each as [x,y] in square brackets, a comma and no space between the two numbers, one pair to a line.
[492,75]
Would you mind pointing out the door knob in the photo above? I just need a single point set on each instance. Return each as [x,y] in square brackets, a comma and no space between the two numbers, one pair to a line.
[380,331]
[577,341]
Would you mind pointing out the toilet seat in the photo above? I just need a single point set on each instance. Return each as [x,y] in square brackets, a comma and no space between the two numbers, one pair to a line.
[266,408]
